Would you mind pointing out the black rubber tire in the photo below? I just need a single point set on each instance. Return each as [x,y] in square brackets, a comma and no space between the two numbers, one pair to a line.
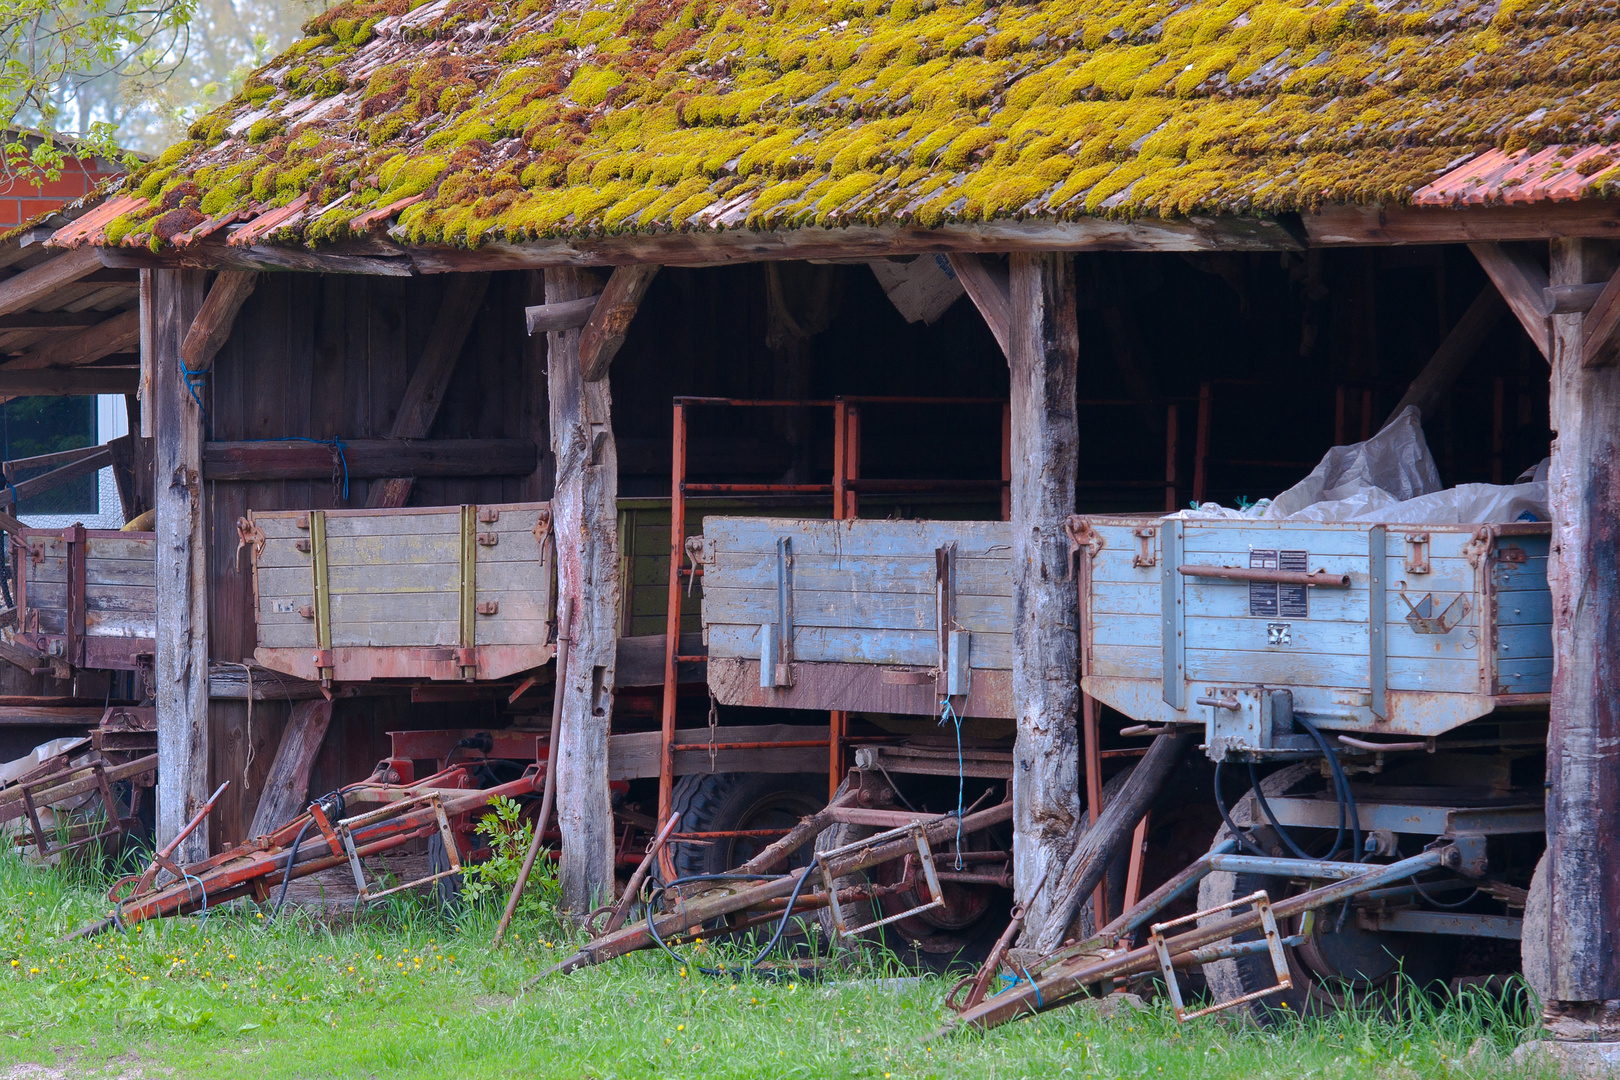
[1417,956]
[718,802]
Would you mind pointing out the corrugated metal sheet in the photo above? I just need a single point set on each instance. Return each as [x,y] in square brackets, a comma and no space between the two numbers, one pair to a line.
[1555,174]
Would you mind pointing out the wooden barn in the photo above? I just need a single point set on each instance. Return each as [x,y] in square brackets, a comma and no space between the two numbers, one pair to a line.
[842,310]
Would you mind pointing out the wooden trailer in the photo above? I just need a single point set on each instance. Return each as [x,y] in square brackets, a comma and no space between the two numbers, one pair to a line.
[859,615]
[1383,629]
[88,597]
[449,592]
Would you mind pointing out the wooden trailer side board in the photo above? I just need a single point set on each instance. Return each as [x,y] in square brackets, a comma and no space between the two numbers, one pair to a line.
[850,613]
[104,581]
[1461,619]
[416,593]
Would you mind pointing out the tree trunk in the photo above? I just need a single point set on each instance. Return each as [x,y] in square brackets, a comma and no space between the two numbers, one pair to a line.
[1583,748]
[181,663]
[1044,353]
[585,515]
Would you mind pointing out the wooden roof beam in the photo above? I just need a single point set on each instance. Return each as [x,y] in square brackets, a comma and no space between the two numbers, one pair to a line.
[213,323]
[610,319]
[986,280]
[565,315]
[121,333]
[1523,284]
[39,282]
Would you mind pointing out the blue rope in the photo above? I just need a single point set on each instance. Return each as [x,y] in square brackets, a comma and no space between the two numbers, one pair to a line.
[192,379]
[948,713]
[203,914]
[1017,978]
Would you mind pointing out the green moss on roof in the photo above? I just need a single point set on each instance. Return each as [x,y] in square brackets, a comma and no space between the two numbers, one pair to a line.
[528,118]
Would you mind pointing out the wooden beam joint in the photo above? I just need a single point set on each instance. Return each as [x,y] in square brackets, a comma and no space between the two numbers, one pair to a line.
[610,319]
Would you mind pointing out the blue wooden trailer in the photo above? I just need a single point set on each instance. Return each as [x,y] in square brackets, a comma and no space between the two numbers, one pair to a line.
[1367,629]
[1383,690]
[859,614]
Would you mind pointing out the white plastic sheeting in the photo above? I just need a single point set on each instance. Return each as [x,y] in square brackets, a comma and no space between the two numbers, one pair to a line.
[1392,478]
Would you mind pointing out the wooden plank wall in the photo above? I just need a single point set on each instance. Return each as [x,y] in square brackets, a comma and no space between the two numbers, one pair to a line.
[323,356]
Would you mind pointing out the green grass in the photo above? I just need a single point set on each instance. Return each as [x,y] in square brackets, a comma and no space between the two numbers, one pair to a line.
[407,992]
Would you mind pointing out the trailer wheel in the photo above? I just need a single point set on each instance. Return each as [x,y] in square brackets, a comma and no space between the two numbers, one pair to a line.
[1334,959]
[723,802]
[446,890]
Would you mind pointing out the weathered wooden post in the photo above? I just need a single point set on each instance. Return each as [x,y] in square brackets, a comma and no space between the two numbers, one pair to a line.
[181,664]
[585,515]
[1043,354]
[1583,746]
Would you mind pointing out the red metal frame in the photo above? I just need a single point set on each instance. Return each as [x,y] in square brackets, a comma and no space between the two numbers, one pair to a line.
[847,484]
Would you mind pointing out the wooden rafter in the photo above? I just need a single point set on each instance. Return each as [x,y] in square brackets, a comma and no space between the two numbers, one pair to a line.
[121,333]
[605,331]
[38,282]
[985,280]
[462,298]
[213,323]
[68,382]
[1523,284]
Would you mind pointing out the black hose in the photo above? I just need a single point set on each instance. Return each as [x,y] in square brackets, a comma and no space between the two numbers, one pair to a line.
[1265,807]
[338,809]
[286,874]
[787,913]
[1341,784]
[1231,826]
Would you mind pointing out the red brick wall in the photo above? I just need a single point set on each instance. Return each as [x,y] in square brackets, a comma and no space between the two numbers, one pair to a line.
[21,199]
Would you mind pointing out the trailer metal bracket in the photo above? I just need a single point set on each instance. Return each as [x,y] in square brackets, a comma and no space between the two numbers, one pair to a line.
[1274,946]
[915,832]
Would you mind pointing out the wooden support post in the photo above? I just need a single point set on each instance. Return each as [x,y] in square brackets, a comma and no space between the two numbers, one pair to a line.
[1043,357]
[423,395]
[286,787]
[585,515]
[181,663]
[1583,745]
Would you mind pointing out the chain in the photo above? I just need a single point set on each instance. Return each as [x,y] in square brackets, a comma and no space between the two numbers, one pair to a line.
[714,722]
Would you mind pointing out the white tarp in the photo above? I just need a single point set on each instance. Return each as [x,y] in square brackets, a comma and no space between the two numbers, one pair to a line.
[1392,478]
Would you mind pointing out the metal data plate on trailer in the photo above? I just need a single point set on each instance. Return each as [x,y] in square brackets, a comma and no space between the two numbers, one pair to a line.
[454,592]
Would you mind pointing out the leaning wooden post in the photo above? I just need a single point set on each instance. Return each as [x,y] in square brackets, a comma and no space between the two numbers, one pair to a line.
[585,514]
[1043,354]
[181,664]
[1583,746]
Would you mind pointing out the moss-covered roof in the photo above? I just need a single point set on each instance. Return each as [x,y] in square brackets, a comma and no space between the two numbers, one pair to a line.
[463,121]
